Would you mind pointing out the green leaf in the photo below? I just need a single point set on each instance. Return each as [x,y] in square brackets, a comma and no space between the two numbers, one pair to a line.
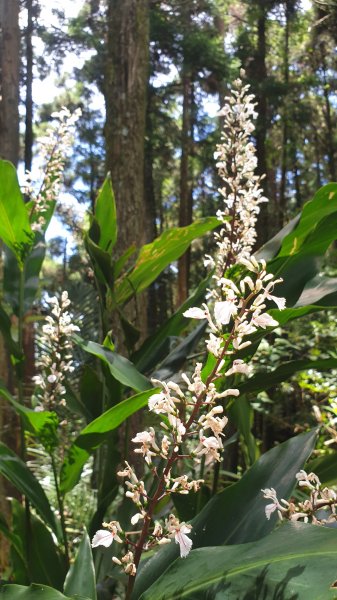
[175,360]
[325,468]
[300,255]
[5,328]
[94,434]
[324,204]
[42,424]
[32,269]
[91,391]
[105,215]
[35,592]
[155,257]
[236,515]
[14,469]
[241,414]
[272,247]
[101,262]
[43,561]
[321,291]
[120,367]
[265,380]
[15,229]
[15,540]
[296,561]
[155,348]
[81,575]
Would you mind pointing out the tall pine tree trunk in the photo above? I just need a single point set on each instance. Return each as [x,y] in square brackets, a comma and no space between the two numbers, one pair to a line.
[125,91]
[9,150]
[284,161]
[9,79]
[260,76]
[185,205]
[29,87]
[328,118]
[185,201]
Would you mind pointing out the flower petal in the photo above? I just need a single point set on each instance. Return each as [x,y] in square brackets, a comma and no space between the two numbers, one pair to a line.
[102,537]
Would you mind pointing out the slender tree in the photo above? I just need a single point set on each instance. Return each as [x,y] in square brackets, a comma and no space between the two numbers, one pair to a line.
[9,79]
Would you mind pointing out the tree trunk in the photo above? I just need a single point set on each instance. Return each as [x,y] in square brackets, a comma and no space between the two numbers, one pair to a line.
[9,79]
[284,161]
[185,201]
[9,150]
[328,119]
[29,87]
[186,204]
[260,76]
[125,90]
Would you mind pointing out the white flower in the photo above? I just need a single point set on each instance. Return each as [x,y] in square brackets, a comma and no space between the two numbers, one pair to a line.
[195,313]
[270,494]
[181,538]
[102,537]
[280,302]
[223,311]
[136,517]
[179,531]
[238,366]
[264,321]
[105,537]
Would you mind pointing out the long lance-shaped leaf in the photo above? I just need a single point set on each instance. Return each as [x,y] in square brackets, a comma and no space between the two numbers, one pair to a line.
[263,381]
[105,217]
[120,367]
[95,434]
[42,559]
[297,561]
[156,347]
[155,257]
[42,424]
[15,229]
[236,515]
[35,592]
[81,576]
[14,469]
[5,328]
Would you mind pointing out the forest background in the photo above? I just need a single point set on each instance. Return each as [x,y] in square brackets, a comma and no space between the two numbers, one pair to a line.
[149,77]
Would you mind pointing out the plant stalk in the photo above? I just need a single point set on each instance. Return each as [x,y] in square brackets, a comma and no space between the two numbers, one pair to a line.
[61,511]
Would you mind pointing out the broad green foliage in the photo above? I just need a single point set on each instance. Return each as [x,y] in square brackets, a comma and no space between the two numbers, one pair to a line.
[105,217]
[35,592]
[95,434]
[80,580]
[298,559]
[14,469]
[15,229]
[120,367]
[155,257]
[236,515]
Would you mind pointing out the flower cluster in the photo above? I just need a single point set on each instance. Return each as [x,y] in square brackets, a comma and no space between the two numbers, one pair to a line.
[319,508]
[241,191]
[191,412]
[56,359]
[54,147]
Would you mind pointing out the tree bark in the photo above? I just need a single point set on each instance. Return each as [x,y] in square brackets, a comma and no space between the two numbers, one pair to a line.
[284,161]
[125,89]
[186,202]
[9,150]
[260,76]
[9,79]
[29,87]
[328,118]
